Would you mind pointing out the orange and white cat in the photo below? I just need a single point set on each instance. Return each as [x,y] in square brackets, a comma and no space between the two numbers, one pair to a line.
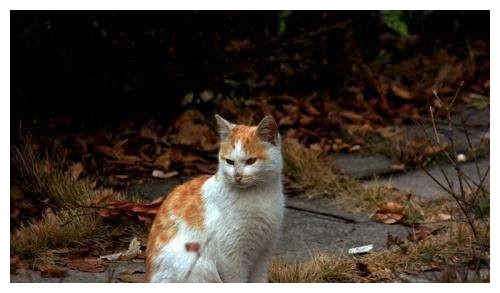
[234,215]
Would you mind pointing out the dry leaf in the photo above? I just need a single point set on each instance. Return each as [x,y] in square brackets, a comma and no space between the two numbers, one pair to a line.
[401,92]
[91,265]
[76,170]
[398,167]
[306,120]
[146,132]
[418,235]
[51,271]
[134,277]
[134,250]
[14,212]
[351,116]
[354,148]
[163,161]
[390,213]
[443,216]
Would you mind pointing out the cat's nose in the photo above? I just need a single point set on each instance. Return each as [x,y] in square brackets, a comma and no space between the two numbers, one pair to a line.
[238,177]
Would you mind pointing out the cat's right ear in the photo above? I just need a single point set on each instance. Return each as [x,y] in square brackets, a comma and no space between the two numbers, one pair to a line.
[225,127]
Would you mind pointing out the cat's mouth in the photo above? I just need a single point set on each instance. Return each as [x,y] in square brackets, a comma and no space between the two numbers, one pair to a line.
[242,183]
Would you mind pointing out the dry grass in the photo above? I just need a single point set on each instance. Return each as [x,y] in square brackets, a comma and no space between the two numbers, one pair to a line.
[70,223]
[66,228]
[452,247]
[318,177]
[314,172]
[45,178]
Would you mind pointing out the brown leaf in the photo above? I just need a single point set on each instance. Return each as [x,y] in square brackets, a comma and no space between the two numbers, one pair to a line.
[134,277]
[140,211]
[351,116]
[236,45]
[163,161]
[390,213]
[227,107]
[401,92]
[14,212]
[398,167]
[418,235]
[105,150]
[51,271]
[306,120]
[287,120]
[17,263]
[311,110]
[146,132]
[443,216]
[91,265]
[354,148]
[433,150]
[76,170]
[16,193]
[182,156]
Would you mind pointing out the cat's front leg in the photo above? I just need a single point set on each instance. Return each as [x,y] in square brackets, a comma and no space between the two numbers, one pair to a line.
[233,271]
[260,271]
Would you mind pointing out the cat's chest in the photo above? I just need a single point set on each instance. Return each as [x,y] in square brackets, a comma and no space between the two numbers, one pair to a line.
[247,219]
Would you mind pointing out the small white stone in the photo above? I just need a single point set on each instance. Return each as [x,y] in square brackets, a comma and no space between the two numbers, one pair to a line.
[461,158]
[361,249]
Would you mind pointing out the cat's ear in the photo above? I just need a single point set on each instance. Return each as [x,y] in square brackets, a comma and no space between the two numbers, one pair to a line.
[267,130]
[225,127]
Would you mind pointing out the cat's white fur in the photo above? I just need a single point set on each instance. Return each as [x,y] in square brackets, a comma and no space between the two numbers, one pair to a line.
[241,224]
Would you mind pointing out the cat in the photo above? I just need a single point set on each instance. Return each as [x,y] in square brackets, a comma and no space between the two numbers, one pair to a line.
[224,227]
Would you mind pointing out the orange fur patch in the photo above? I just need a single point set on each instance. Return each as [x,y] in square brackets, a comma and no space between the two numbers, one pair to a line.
[185,202]
[251,143]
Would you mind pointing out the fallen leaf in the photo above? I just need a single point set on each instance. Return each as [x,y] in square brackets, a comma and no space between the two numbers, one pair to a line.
[143,212]
[443,216]
[351,116]
[16,193]
[134,249]
[354,148]
[146,132]
[17,263]
[401,92]
[51,271]
[133,277]
[398,167]
[182,156]
[14,212]
[306,120]
[91,265]
[390,213]
[76,170]
[418,235]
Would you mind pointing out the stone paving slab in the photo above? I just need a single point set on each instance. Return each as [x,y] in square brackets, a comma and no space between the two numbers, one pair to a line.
[111,274]
[306,233]
[420,184]
[363,167]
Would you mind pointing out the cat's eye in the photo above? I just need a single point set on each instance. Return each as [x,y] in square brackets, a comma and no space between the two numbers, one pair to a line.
[251,161]
[230,162]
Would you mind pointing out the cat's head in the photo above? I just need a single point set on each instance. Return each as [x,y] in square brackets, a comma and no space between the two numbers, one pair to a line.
[249,155]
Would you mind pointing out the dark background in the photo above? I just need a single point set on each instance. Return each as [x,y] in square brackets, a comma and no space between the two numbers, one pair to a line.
[97,65]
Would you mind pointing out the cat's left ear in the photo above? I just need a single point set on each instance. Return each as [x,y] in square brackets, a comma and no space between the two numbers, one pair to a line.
[267,130]
[225,127]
